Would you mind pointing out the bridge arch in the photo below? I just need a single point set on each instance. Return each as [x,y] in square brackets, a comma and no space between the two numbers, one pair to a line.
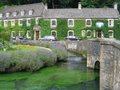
[97,65]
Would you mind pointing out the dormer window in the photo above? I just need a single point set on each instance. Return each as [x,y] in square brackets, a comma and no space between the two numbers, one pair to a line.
[22,13]
[14,14]
[30,12]
[1,15]
[7,14]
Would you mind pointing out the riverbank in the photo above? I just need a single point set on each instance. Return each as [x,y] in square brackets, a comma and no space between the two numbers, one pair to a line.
[29,58]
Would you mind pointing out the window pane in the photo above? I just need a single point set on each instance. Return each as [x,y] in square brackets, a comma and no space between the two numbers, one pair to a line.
[88,22]
[53,22]
[71,33]
[70,22]
[54,34]
[89,33]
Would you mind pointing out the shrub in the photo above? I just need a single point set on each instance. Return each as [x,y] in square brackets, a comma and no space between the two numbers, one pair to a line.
[26,59]
[5,45]
[5,35]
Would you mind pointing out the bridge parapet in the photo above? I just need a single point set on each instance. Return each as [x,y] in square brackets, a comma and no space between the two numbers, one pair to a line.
[110,65]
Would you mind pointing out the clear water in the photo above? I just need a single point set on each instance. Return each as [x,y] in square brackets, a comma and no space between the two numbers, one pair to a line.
[50,78]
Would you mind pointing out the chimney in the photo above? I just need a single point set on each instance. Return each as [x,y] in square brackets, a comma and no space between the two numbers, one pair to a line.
[79,5]
[116,6]
[46,6]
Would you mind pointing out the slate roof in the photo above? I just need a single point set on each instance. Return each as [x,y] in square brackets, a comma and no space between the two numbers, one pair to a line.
[83,13]
[37,8]
[39,11]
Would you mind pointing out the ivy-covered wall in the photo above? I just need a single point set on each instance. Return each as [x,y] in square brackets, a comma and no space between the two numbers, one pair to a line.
[62,28]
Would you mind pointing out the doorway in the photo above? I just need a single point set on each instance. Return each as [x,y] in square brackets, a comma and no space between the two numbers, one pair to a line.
[99,33]
[37,35]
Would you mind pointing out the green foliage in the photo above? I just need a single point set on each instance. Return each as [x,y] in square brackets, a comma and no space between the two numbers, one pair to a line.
[5,35]
[79,26]
[45,27]
[61,54]
[5,32]
[5,45]
[26,58]
[117,29]
[62,29]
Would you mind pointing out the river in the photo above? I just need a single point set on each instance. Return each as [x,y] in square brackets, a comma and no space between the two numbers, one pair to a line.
[70,75]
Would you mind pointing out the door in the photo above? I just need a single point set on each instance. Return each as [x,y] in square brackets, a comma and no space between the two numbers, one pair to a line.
[37,35]
[99,33]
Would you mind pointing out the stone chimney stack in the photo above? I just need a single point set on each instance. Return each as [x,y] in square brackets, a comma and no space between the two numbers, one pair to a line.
[46,6]
[79,6]
[116,6]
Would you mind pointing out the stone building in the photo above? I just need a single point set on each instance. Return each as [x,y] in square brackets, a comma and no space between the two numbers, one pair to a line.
[34,21]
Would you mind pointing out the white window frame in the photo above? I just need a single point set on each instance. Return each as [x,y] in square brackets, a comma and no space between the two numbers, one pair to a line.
[27,21]
[69,23]
[83,33]
[54,31]
[12,36]
[20,33]
[5,23]
[1,15]
[94,33]
[112,36]
[30,12]
[53,26]
[87,21]
[110,22]
[27,35]
[19,22]
[36,21]
[22,13]
[70,31]
[90,32]
[12,23]
[7,14]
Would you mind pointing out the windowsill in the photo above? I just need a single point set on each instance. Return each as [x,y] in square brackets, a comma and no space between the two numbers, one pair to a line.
[20,24]
[28,24]
[70,26]
[88,25]
[53,26]
[88,36]
[110,26]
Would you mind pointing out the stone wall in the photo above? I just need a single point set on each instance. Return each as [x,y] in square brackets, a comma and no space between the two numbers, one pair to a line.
[110,65]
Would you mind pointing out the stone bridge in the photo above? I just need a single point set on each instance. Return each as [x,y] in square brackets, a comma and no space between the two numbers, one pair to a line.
[103,54]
